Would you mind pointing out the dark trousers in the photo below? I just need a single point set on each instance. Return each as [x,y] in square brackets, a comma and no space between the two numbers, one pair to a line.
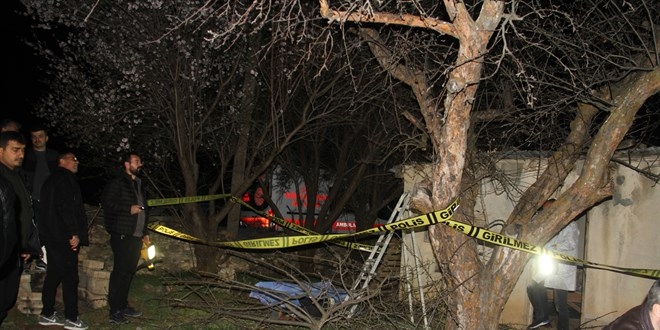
[126,251]
[10,276]
[561,305]
[539,299]
[62,268]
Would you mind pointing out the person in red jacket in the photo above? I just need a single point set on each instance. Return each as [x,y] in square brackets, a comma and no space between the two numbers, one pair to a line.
[643,317]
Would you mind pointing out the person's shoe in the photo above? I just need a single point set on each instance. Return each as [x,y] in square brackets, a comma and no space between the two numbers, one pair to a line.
[40,265]
[538,324]
[55,319]
[78,324]
[130,312]
[118,318]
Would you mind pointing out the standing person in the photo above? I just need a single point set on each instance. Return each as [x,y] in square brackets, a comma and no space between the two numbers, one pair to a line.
[9,125]
[12,153]
[62,229]
[645,316]
[9,261]
[38,164]
[562,278]
[125,214]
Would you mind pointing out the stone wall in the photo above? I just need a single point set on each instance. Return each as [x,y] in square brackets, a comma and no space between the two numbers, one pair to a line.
[95,265]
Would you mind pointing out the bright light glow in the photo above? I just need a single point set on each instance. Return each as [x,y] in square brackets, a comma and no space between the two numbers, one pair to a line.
[546,265]
[151,252]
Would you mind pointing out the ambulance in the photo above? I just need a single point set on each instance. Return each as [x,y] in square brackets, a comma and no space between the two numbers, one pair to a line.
[292,205]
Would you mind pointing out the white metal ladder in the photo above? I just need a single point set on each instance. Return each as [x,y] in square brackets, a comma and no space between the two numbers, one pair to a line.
[368,271]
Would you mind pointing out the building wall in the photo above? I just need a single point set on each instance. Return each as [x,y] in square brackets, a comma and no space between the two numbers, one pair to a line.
[621,231]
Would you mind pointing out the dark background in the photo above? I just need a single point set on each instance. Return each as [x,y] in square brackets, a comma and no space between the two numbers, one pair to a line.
[22,81]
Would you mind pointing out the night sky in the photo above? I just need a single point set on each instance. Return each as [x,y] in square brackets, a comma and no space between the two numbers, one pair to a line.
[19,81]
[23,78]
[23,83]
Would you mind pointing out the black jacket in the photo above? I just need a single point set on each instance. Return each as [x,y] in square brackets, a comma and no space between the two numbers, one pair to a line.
[118,196]
[8,228]
[62,212]
[28,235]
[30,168]
[637,318]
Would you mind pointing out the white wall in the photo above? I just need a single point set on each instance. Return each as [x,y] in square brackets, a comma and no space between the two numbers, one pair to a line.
[622,231]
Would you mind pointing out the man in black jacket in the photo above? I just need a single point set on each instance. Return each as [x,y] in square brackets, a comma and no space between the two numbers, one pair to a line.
[9,261]
[643,317]
[125,214]
[12,153]
[62,230]
[40,162]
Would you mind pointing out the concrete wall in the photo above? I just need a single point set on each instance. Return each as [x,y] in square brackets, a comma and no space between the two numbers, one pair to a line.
[621,231]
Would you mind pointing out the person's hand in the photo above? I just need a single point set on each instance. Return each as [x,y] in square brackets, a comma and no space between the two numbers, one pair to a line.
[73,242]
[135,209]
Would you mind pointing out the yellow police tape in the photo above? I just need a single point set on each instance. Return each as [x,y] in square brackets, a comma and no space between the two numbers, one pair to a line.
[437,217]
[184,200]
[300,229]
[292,241]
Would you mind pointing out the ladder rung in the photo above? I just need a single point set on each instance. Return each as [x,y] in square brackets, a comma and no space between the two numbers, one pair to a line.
[371,264]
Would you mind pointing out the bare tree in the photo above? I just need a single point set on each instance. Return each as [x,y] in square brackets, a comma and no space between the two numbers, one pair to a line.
[573,76]
[553,50]
[124,79]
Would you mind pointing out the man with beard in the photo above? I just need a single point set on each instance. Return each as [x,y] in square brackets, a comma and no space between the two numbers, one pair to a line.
[12,152]
[40,162]
[9,262]
[125,215]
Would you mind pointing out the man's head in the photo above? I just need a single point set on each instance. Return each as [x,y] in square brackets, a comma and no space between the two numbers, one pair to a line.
[8,125]
[12,149]
[39,137]
[69,161]
[132,164]
[652,303]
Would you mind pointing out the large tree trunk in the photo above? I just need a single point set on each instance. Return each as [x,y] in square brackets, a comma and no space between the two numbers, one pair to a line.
[478,291]
[243,136]
[481,293]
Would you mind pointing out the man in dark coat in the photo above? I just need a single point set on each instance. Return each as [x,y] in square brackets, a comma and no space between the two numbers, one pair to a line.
[12,151]
[40,162]
[643,317]
[62,229]
[125,215]
[9,261]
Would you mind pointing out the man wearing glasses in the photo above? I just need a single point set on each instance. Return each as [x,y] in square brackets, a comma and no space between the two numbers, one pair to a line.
[62,230]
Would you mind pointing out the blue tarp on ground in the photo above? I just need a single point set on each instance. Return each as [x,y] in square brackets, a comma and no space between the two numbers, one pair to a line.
[279,293]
